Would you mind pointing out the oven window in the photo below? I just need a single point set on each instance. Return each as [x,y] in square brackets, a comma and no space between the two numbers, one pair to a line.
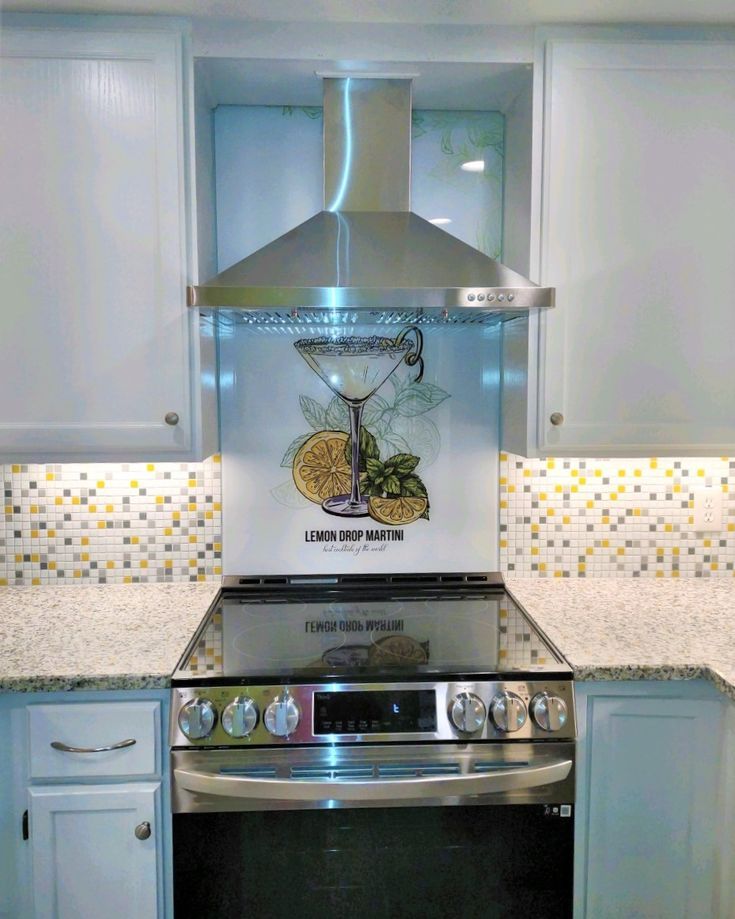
[508,861]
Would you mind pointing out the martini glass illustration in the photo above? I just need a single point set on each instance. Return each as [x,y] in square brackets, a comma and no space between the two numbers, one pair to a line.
[354,368]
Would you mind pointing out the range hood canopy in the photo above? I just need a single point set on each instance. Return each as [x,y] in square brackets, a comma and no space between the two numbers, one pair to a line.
[367,250]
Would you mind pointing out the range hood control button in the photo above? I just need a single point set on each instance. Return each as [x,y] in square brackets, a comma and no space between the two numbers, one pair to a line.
[467,712]
[282,716]
[480,298]
[508,712]
[549,712]
[511,297]
[471,297]
[240,717]
[197,719]
[501,297]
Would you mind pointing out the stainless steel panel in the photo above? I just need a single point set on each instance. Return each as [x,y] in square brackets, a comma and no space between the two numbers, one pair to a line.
[367,144]
[282,779]
[303,696]
[358,260]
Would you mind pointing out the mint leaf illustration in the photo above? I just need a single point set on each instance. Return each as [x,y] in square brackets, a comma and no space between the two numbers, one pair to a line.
[403,463]
[392,486]
[293,448]
[413,487]
[368,448]
[419,398]
[313,413]
[337,416]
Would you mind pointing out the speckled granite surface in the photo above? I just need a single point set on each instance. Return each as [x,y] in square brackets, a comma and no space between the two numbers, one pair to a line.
[638,629]
[96,637]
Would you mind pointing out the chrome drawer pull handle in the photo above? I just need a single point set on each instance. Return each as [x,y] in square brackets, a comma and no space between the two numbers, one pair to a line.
[65,748]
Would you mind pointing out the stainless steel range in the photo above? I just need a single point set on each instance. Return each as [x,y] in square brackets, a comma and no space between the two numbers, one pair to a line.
[305,704]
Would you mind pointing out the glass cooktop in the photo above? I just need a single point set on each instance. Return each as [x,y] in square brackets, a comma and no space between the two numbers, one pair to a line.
[305,634]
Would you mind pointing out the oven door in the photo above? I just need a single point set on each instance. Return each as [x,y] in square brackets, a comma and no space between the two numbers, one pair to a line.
[384,832]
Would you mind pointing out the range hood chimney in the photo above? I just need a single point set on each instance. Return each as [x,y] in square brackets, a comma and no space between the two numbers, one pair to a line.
[366,252]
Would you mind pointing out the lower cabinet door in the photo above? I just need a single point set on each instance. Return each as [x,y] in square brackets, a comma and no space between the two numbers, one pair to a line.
[88,860]
[648,806]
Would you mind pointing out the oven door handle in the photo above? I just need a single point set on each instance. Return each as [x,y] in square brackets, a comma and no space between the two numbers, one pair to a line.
[375,790]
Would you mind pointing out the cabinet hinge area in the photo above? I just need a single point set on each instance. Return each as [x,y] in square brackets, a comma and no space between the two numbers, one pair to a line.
[24,826]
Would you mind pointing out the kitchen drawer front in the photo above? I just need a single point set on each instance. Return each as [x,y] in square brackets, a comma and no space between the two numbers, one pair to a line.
[90,725]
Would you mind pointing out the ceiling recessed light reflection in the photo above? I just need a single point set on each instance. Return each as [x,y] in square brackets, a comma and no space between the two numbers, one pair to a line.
[440,221]
[473,166]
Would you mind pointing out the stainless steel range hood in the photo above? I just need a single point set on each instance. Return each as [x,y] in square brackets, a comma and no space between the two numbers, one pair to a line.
[366,251]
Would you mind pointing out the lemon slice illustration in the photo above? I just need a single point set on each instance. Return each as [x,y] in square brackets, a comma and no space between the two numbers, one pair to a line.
[320,469]
[397,511]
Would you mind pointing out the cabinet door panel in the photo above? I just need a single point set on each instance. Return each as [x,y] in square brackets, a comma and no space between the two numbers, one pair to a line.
[86,858]
[636,232]
[651,788]
[94,329]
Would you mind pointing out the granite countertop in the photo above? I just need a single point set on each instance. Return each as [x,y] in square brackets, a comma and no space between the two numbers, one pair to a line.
[638,629]
[131,636]
[127,636]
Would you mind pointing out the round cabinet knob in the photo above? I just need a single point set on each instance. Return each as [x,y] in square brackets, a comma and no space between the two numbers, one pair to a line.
[282,716]
[143,830]
[171,418]
[508,712]
[467,712]
[549,712]
[556,418]
[240,717]
[197,718]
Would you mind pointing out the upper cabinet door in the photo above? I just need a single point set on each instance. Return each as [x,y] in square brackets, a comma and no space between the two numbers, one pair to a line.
[95,338]
[638,197]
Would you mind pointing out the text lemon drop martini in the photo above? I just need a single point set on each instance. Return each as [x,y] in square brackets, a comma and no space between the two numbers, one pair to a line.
[354,367]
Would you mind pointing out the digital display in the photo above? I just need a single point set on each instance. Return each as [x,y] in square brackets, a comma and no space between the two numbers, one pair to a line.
[408,711]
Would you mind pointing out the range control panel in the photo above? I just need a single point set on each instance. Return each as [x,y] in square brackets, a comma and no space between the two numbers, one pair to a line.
[226,716]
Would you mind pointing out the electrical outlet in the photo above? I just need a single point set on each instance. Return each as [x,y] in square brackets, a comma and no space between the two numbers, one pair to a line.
[707,510]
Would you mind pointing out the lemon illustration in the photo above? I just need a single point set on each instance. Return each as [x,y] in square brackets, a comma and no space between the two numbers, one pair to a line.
[320,469]
[397,511]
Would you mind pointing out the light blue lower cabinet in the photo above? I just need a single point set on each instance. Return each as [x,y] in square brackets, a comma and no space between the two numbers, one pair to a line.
[654,835]
[68,820]
[87,859]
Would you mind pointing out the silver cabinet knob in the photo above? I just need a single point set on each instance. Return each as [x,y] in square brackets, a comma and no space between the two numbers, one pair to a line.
[240,717]
[467,712]
[171,418]
[282,716]
[197,718]
[508,712]
[548,711]
[556,419]
[143,830]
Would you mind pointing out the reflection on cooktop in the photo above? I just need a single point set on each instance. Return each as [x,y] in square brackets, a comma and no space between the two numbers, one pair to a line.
[246,640]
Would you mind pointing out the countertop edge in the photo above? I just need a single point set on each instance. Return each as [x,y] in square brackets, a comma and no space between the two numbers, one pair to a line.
[102,681]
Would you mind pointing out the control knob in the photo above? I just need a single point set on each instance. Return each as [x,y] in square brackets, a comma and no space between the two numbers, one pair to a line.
[240,716]
[508,712]
[549,711]
[467,712]
[197,718]
[282,716]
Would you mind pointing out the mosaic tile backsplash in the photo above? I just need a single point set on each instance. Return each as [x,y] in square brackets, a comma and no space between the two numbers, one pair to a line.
[138,522]
[111,523]
[613,518]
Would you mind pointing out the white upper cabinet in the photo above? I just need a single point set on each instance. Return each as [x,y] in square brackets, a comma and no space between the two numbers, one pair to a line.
[635,185]
[96,345]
